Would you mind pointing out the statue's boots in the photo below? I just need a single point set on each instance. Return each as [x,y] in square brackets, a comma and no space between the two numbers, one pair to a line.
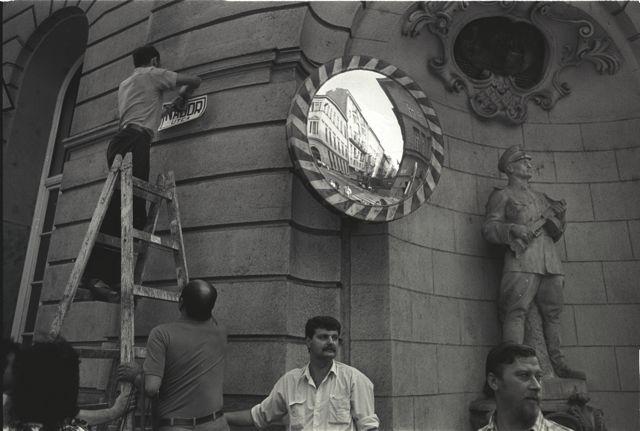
[564,371]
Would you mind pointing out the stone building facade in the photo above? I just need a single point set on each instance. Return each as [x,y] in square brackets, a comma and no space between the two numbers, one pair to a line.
[417,296]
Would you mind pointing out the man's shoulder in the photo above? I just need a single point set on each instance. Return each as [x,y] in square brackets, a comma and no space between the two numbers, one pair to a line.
[350,371]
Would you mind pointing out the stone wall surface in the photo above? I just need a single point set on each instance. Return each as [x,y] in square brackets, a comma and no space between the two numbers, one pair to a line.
[417,296]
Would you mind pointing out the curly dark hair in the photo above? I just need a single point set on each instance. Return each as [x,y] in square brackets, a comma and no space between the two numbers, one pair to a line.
[321,322]
[47,377]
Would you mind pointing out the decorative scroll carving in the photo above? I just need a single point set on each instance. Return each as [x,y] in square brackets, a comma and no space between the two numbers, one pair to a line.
[572,38]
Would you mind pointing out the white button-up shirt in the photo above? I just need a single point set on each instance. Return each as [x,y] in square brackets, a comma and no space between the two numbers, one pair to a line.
[342,402]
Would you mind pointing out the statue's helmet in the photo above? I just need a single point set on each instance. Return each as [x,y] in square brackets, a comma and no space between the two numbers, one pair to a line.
[510,155]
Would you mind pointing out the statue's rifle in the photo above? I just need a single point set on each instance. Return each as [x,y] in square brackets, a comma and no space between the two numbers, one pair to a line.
[546,221]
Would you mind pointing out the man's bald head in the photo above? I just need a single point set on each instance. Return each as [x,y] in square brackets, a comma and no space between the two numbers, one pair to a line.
[198,298]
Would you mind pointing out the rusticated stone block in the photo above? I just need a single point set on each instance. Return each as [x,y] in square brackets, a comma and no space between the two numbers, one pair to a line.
[615,201]
[304,302]
[448,322]
[468,233]
[369,259]
[606,325]
[610,135]
[314,256]
[402,412]
[495,134]
[66,241]
[414,368]
[83,170]
[552,137]
[430,226]
[338,14]
[55,280]
[435,412]
[628,163]
[222,153]
[410,266]
[473,158]
[150,313]
[599,363]
[268,30]
[181,16]
[597,241]
[422,318]
[634,235]
[85,321]
[116,46]
[259,378]
[104,79]
[307,210]
[544,167]
[333,40]
[461,368]
[78,204]
[119,18]
[400,301]
[476,328]
[95,113]
[370,312]
[19,24]
[95,373]
[455,123]
[586,167]
[374,25]
[228,252]
[99,9]
[462,276]
[627,359]
[241,199]
[456,191]
[583,283]
[623,281]
[374,359]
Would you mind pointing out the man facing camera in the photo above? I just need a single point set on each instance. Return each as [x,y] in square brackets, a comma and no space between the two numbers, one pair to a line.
[514,378]
[323,395]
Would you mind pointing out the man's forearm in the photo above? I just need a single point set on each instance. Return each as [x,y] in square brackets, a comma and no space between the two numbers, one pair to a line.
[239,418]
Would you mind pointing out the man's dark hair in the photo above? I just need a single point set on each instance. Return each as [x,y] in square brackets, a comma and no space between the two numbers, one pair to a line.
[501,355]
[198,299]
[321,322]
[46,384]
[142,56]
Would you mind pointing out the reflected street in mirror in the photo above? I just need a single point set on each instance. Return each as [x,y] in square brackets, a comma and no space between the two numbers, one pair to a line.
[368,137]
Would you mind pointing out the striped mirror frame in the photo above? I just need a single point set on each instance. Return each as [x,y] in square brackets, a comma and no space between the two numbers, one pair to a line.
[306,166]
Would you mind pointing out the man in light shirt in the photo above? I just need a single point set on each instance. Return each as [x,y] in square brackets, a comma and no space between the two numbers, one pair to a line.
[140,98]
[323,395]
[514,379]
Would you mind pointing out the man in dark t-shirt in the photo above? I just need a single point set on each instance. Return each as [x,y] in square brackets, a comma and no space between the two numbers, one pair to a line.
[184,365]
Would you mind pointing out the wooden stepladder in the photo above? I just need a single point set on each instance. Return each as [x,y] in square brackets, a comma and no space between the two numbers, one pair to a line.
[132,266]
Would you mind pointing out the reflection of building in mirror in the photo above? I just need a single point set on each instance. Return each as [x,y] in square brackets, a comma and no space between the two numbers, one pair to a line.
[416,137]
[346,146]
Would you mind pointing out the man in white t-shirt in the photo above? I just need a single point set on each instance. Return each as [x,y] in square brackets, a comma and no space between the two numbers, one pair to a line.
[140,99]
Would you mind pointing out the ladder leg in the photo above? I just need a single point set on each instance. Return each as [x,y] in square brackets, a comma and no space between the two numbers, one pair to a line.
[182,274]
[150,227]
[126,276]
[87,247]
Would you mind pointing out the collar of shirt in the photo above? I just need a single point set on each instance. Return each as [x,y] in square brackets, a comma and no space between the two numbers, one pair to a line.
[537,426]
[307,374]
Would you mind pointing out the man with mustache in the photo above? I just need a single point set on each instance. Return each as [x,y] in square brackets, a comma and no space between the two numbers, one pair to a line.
[323,395]
[514,379]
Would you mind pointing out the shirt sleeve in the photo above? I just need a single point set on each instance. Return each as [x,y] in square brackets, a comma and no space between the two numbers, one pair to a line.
[362,404]
[272,408]
[156,353]
[495,229]
[164,79]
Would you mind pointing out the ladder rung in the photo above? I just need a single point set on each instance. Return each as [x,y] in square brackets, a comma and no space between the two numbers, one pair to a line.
[113,242]
[152,292]
[154,239]
[104,352]
[149,189]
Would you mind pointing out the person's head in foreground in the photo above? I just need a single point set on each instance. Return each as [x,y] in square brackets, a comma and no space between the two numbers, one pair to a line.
[322,334]
[197,300]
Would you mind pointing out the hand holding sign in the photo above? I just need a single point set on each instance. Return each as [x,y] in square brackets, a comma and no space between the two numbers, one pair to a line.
[180,111]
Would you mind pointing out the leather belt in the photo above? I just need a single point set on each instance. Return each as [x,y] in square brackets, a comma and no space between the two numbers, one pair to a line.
[192,422]
[137,128]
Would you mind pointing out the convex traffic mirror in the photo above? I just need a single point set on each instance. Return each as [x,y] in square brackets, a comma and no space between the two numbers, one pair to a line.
[365,139]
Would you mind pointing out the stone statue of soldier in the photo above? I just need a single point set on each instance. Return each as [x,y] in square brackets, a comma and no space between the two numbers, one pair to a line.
[529,223]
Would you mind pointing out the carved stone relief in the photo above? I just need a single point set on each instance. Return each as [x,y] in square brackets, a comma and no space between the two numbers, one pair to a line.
[506,54]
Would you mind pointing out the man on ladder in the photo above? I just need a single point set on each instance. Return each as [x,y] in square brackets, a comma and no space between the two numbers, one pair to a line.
[140,111]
